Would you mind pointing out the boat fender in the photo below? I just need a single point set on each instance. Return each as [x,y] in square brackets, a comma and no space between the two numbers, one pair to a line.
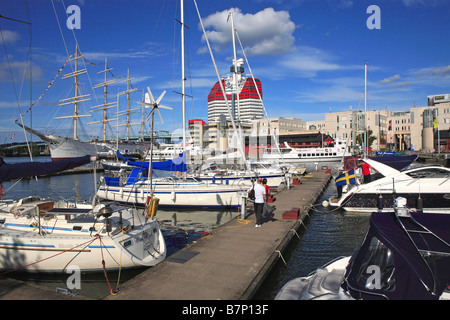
[173,195]
[152,206]
[380,203]
[419,204]
[325,203]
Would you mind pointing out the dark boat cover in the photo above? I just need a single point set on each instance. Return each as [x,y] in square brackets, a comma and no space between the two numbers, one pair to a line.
[30,169]
[394,264]
[396,162]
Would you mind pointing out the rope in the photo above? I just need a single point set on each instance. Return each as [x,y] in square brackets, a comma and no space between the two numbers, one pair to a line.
[113,291]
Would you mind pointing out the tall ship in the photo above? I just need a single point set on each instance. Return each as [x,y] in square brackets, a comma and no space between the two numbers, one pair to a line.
[71,147]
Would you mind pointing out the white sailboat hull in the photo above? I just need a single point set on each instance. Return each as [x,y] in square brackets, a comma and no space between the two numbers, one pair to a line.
[53,243]
[196,195]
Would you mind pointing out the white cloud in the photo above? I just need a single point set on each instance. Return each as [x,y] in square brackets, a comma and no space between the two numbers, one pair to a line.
[423,3]
[390,79]
[308,61]
[10,36]
[267,32]
[19,70]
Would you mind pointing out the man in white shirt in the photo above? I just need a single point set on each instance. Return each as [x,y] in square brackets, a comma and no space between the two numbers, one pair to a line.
[260,193]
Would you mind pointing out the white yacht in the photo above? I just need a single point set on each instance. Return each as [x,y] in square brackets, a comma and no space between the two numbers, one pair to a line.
[425,187]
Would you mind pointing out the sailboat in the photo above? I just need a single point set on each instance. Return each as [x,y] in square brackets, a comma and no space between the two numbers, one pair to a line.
[40,235]
[172,191]
[140,186]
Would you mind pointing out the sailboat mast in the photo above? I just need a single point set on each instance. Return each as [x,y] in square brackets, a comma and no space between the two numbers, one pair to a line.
[183,77]
[235,78]
[365,110]
[75,104]
[105,101]
[76,99]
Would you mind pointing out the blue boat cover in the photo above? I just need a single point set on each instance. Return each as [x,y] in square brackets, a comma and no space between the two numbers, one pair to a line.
[122,157]
[30,169]
[177,164]
[394,264]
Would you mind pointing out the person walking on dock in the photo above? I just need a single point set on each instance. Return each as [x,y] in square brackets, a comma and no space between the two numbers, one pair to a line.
[264,184]
[260,195]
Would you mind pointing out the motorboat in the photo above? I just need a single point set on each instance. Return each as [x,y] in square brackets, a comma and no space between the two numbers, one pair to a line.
[425,187]
[405,255]
[40,235]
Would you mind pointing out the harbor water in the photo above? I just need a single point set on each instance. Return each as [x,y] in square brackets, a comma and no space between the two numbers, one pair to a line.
[326,234]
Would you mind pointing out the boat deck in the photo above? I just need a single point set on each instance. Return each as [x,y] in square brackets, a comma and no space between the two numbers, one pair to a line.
[229,264]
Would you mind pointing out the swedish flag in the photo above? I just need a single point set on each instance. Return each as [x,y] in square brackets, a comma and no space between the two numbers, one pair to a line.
[346,178]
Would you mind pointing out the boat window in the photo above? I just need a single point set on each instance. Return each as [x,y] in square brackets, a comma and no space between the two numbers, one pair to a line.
[430,173]
[377,268]
[77,228]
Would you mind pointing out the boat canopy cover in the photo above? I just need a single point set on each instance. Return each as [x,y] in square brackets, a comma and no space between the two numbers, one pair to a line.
[31,169]
[394,264]
[177,164]
[122,157]
[396,162]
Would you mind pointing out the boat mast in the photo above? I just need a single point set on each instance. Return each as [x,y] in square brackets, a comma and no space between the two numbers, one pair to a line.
[365,110]
[128,111]
[183,78]
[235,99]
[76,99]
[105,106]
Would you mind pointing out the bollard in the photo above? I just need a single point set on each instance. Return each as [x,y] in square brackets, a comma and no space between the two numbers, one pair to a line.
[243,195]
[288,180]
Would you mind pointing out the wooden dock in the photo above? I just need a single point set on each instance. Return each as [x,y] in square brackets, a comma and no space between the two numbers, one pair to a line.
[233,261]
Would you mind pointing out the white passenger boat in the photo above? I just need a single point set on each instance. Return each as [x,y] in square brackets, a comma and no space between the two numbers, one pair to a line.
[288,154]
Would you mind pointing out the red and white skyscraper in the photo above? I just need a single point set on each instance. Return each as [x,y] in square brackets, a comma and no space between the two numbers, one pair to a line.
[244,106]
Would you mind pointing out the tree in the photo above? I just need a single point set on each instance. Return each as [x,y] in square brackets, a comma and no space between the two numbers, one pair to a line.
[370,138]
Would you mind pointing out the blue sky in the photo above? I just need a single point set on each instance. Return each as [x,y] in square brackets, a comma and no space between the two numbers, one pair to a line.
[309,55]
